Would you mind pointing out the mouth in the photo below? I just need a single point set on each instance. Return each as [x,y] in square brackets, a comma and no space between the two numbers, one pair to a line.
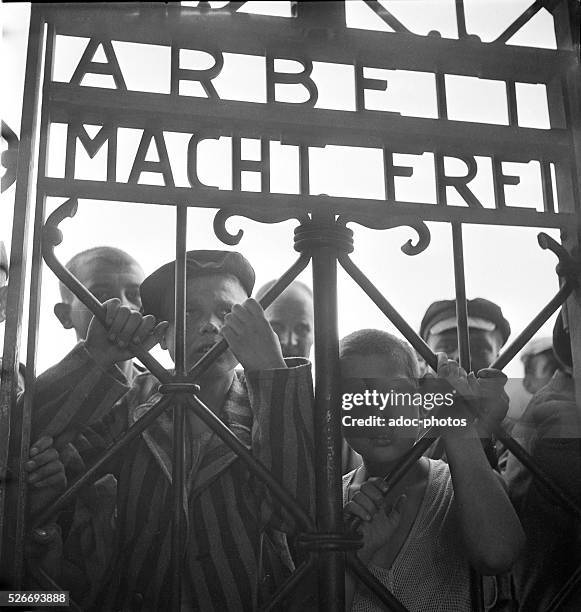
[202,350]
[382,440]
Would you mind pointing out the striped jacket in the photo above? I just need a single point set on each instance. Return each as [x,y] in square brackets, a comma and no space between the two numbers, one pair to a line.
[227,510]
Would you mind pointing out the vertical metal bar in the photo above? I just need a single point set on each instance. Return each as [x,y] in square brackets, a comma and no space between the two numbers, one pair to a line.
[19,445]
[476,592]
[178,477]
[18,252]
[567,21]
[331,564]
[461,306]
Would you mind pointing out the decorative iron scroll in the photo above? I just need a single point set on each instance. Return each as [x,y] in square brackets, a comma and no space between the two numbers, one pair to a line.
[9,157]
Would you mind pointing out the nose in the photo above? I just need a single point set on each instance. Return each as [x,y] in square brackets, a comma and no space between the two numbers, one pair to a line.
[211,325]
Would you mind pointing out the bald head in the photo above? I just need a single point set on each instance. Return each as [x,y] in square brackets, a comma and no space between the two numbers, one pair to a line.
[291,317]
[107,273]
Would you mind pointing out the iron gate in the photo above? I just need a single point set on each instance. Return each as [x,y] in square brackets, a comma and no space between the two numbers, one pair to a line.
[315,31]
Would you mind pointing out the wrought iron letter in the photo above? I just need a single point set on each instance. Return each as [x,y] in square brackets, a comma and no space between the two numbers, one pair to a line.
[107,134]
[204,77]
[390,172]
[294,78]
[239,165]
[362,83]
[460,183]
[500,180]
[193,159]
[162,166]
[88,66]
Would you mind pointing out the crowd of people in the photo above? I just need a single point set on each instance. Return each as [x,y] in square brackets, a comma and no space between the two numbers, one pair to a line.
[467,509]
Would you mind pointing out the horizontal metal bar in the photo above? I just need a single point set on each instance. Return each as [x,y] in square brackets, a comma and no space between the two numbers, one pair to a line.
[295,123]
[256,467]
[533,327]
[253,34]
[289,585]
[297,205]
[372,583]
[94,471]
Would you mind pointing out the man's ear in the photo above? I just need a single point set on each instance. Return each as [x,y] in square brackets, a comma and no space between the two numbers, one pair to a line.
[62,310]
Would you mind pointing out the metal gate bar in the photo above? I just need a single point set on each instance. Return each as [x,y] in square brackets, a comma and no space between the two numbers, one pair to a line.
[462,333]
[10,537]
[178,477]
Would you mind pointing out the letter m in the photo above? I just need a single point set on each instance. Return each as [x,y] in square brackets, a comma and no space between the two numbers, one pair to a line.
[107,134]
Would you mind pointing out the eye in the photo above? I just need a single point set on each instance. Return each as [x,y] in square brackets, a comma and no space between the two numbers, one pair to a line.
[193,313]
[223,311]
[302,329]
[102,296]
[134,296]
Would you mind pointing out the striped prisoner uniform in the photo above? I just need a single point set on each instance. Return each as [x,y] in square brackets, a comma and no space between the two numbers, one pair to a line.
[228,513]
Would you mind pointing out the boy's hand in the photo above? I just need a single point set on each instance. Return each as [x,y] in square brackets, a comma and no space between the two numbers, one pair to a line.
[251,337]
[125,329]
[489,402]
[379,521]
[467,390]
[46,474]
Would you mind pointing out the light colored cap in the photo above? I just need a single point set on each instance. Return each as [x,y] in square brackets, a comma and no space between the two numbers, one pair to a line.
[536,346]
[473,323]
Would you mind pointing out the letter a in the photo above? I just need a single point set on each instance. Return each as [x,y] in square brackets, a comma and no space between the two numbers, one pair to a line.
[88,66]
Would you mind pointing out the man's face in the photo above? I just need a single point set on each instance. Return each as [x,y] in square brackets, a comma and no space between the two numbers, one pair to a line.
[208,300]
[484,346]
[3,293]
[291,318]
[538,372]
[105,281]
[379,445]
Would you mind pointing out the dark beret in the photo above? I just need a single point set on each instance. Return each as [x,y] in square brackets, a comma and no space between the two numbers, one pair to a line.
[479,309]
[198,263]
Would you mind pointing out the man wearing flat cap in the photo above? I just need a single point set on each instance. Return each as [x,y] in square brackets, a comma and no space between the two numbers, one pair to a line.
[231,561]
[488,328]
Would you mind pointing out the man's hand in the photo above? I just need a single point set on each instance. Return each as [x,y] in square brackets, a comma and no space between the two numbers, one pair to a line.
[379,521]
[125,330]
[251,337]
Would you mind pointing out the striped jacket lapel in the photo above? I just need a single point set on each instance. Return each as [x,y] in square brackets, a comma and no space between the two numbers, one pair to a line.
[215,455]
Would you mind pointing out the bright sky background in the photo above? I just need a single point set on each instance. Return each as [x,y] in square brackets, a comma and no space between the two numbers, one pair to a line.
[503,264]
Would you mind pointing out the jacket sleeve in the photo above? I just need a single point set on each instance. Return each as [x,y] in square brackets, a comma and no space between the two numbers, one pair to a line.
[74,393]
[282,436]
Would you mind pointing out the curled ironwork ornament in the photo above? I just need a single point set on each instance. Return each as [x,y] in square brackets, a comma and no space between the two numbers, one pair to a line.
[373,222]
[273,216]
[9,157]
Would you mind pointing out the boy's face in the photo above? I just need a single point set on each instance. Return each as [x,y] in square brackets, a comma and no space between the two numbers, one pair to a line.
[208,300]
[291,318]
[380,445]
[105,280]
